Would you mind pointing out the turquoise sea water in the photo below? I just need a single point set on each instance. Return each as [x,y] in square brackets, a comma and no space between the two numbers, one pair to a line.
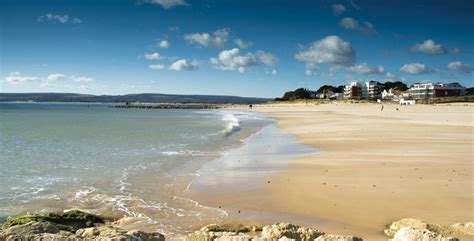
[130,163]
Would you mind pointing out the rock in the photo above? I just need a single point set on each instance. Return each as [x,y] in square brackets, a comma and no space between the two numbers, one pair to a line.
[31,228]
[463,228]
[334,237]
[455,229]
[284,238]
[67,226]
[276,231]
[88,232]
[203,235]
[68,221]
[235,237]
[406,222]
[409,234]
[146,236]
[109,232]
[231,227]
[43,231]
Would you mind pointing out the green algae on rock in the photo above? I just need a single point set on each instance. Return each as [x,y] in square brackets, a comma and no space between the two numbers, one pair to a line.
[68,221]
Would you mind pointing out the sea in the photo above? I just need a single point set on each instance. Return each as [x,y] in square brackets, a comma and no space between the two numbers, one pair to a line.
[128,164]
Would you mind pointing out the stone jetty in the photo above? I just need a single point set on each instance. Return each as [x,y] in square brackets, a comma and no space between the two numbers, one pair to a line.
[169,106]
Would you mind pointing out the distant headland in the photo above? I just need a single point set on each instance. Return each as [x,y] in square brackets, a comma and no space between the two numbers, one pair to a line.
[144,98]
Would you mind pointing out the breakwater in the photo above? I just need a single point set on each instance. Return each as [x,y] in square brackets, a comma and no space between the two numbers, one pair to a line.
[169,106]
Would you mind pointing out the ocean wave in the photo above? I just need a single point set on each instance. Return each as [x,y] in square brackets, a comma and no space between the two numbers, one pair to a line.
[232,124]
[183,153]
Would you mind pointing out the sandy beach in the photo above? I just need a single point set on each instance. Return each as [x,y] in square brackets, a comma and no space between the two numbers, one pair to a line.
[372,167]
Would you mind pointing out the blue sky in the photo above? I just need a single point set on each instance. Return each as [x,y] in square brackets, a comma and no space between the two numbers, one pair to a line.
[246,48]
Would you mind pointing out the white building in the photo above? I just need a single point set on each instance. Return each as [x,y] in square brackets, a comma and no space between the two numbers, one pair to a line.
[431,90]
[336,96]
[369,89]
[353,90]
[372,89]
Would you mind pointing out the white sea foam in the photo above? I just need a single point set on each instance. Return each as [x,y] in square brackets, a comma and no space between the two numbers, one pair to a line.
[232,124]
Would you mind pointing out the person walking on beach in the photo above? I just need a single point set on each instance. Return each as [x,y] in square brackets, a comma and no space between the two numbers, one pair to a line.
[381,108]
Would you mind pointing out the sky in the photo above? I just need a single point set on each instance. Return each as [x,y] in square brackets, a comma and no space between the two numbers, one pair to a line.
[259,48]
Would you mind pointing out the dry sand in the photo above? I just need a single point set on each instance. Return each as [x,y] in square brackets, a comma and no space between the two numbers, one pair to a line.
[379,166]
[374,167]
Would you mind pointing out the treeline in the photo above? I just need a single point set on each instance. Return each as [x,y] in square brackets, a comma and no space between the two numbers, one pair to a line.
[303,93]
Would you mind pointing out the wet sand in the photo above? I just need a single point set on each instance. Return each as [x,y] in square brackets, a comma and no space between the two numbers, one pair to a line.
[373,167]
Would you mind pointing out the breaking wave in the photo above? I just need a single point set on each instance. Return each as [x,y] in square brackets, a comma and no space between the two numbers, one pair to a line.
[232,126]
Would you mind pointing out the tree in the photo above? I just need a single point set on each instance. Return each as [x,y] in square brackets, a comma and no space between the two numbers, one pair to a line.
[397,85]
[325,88]
[300,93]
[469,91]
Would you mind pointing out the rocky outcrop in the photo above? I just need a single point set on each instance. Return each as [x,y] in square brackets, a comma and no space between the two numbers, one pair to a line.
[462,228]
[334,237]
[109,232]
[274,232]
[409,234]
[288,230]
[455,229]
[68,221]
[73,225]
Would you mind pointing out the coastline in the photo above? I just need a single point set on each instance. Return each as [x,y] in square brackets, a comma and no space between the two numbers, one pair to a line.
[335,167]
[372,168]
[376,166]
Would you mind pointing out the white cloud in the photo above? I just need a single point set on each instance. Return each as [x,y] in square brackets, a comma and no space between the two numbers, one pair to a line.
[354,5]
[50,79]
[218,39]
[415,68]
[58,18]
[271,72]
[349,23]
[242,44]
[156,66]
[56,77]
[429,47]
[167,4]
[82,79]
[366,27]
[183,64]
[17,78]
[329,50]
[232,59]
[364,68]
[338,9]
[174,29]
[152,56]
[392,78]
[460,67]
[164,44]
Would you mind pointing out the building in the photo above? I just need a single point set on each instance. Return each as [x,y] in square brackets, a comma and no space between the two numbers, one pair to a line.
[429,90]
[353,90]
[325,94]
[336,96]
[388,95]
[406,102]
[372,89]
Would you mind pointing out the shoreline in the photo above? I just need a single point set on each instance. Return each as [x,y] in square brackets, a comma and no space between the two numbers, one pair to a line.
[321,155]
[245,170]
[375,166]
[350,188]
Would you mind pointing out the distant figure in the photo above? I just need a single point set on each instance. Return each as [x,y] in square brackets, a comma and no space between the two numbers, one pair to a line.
[381,108]
[250,106]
